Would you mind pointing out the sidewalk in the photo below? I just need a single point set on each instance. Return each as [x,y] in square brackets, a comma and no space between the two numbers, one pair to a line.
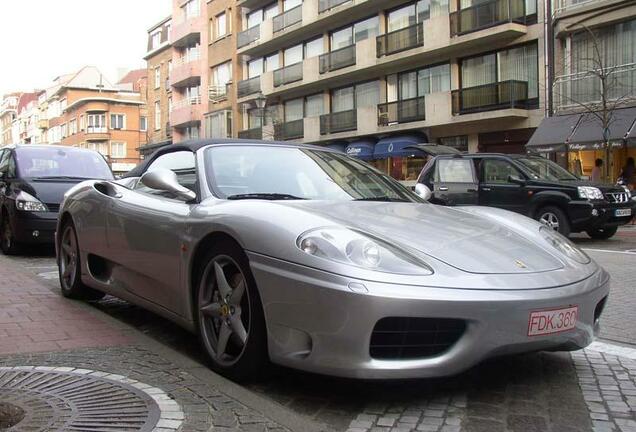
[40,328]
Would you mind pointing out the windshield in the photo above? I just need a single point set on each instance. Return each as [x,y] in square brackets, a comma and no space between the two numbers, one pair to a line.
[270,172]
[55,162]
[543,169]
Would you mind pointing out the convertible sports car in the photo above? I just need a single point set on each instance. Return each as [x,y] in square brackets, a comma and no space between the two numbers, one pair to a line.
[311,259]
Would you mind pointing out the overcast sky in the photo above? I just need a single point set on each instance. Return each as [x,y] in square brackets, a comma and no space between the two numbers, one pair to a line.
[42,39]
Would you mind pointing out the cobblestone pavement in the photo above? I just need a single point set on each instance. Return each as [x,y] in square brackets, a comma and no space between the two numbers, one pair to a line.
[537,392]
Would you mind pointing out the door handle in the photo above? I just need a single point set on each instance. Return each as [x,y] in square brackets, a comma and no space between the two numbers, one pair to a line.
[486,189]
[443,188]
[471,190]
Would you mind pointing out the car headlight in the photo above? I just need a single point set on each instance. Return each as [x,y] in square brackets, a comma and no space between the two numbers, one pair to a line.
[351,247]
[590,192]
[27,202]
[563,245]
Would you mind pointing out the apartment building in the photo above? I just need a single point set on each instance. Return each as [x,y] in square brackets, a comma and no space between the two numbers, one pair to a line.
[85,110]
[26,124]
[188,77]
[372,76]
[158,90]
[592,64]
[8,113]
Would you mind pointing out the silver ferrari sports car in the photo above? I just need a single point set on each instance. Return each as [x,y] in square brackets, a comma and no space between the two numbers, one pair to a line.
[308,258]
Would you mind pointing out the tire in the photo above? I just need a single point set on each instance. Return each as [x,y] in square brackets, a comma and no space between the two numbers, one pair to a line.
[225,291]
[553,217]
[8,244]
[602,233]
[69,267]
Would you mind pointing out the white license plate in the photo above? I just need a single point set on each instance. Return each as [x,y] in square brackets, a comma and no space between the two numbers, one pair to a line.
[622,212]
[552,321]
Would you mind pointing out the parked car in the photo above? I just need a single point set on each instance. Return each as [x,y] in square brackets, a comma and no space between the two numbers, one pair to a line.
[530,185]
[33,180]
[311,259]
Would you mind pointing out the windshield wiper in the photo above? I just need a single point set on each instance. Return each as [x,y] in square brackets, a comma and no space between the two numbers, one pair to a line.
[382,198]
[61,178]
[264,196]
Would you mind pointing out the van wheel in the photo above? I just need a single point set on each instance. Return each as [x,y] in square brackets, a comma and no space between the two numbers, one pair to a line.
[8,244]
[602,233]
[554,218]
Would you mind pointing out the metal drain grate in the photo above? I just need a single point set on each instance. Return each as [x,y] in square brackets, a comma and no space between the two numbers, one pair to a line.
[68,399]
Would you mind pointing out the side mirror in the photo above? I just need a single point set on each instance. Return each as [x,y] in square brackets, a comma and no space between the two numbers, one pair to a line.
[164,179]
[516,180]
[423,191]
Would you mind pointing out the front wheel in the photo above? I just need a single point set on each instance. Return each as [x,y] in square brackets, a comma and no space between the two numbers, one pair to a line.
[69,267]
[554,218]
[230,314]
[8,244]
[602,233]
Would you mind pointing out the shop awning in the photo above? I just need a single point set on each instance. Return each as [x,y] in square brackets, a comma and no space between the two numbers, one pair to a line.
[397,146]
[339,146]
[589,132]
[361,149]
[553,134]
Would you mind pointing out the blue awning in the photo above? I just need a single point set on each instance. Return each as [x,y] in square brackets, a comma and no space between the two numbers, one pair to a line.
[395,146]
[361,149]
[339,146]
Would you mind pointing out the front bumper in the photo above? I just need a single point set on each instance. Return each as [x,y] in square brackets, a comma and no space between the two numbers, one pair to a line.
[34,227]
[322,322]
[586,215]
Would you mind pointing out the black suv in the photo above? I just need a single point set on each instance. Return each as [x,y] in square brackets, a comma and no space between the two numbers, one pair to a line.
[530,185]
[33,180]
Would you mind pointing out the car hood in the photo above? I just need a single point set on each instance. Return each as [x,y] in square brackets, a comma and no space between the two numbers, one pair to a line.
[468,242]
[49,192]
[605,188]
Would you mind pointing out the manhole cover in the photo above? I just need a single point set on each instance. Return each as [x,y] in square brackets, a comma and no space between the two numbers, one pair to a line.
[68,399]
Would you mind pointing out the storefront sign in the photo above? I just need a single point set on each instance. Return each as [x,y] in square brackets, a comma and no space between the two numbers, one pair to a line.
[354,151]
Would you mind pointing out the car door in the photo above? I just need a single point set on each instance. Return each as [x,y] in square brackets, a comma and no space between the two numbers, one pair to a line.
[3,176]
[145,234]
[496,189]
[455,182]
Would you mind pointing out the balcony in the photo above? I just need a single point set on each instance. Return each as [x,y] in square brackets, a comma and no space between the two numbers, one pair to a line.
[218,93]
[97,133]
[253,133]
[400,40]
[186,32]
[402,111]
[338,122]
[585,87]
[289,130]
[288,74]
[490,97]
[327,5]
[338,59]
[485,15]
[248,36]
[561,6]
[249,86]
[186,70]
[287,18]
[186,112]
[43,124]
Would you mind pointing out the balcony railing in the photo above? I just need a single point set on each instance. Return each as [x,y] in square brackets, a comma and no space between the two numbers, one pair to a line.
[218,92]
[565,5]
[489,97]
[248,36]
[191,56]
[400,40]
[289,130]
[325,5]
[338,59]
[254,133]
[585,87]
[288,18]
[402,111]
[484,15]
[96,129]
[186,101]
[341,121]
[249,86]
[288,74]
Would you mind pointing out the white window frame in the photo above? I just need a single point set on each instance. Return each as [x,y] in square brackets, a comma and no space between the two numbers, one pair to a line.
[143,123]
[114,144]
[221,18]
[123,121]
[96,126]
[157,115]
[157,77]
[63,130]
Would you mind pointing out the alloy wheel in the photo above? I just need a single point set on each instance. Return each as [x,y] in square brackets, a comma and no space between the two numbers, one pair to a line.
[550,220]
[224,310]
[68,256]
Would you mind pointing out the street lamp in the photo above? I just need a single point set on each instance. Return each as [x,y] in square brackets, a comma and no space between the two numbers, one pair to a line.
[260,101]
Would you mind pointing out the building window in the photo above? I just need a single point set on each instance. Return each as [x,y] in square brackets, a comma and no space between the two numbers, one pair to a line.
[143,123]
[63,104]
[222,75]
[96,123]
[118,150]
[63,131]
[98,146]
[82,122]
[219,125]
[191,9]
[191,132]
[347,36]
[459,142]
[424,81]
[117,121]
[256,17]
[72,127]
[157,115]
[157,77]
[221,25]
[155,40]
